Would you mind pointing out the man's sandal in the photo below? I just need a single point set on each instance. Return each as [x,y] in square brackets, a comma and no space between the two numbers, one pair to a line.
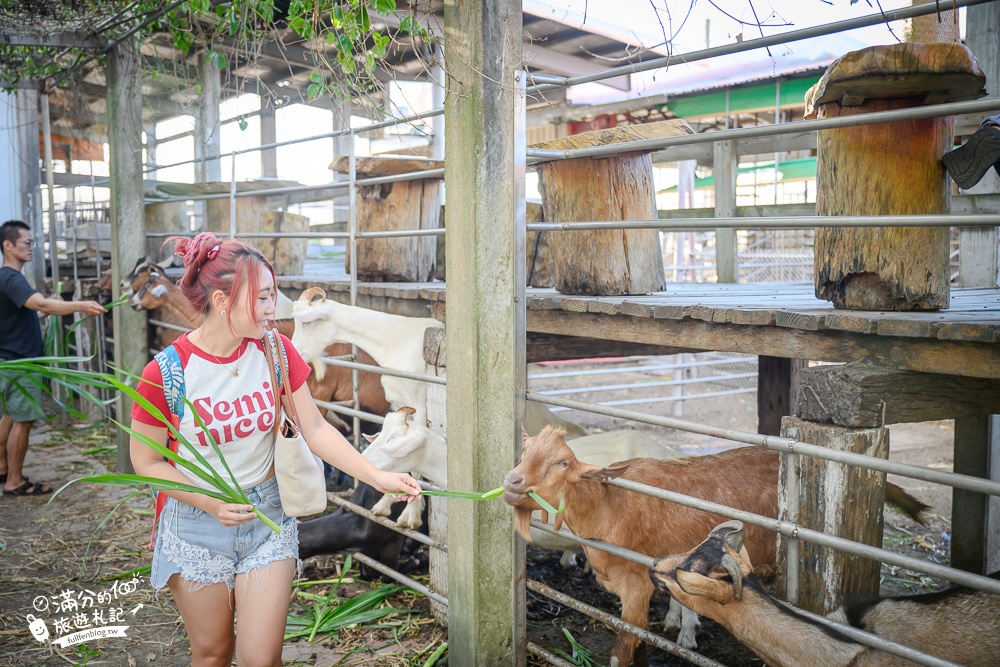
[36,489]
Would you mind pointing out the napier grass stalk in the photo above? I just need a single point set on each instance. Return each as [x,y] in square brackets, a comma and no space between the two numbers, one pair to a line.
[77,381]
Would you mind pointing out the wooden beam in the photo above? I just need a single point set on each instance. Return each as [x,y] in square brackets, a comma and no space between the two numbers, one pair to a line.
[724,162]
[916,354]
[52,39]
[128,223]
[975,518]
[777,391]
[861,396]
[485,404]
[547,347]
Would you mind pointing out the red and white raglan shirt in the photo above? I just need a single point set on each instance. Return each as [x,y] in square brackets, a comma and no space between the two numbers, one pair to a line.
[237,410]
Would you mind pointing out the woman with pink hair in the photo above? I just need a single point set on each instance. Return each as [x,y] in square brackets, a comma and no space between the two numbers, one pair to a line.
[220,562]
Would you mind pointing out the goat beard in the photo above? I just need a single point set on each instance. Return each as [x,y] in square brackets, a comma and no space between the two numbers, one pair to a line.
[522,521]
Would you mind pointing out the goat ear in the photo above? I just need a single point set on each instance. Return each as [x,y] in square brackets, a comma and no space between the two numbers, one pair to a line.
[407,411]
[166,263]
[369,438]
[604,474]
[524,434]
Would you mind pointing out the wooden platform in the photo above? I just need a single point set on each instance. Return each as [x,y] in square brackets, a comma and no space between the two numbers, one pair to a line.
[766,319]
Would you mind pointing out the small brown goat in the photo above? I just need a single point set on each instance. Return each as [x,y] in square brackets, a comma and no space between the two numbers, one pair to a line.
[716,579]
[744,478]
[153,290]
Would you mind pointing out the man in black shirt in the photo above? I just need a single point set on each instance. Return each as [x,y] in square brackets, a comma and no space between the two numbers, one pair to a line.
[21,338]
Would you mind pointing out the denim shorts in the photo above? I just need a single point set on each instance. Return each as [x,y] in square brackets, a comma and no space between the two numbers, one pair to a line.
[193,543]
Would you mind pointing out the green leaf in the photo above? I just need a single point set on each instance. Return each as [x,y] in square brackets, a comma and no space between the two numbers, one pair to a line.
[243,123]
[384,7]
[313,91]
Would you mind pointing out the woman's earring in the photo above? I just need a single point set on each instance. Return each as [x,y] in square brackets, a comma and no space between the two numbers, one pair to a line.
[223,313]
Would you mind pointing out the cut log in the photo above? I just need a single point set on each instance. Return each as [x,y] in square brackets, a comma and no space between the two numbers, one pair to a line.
[839,500]
[620,187]
[403,205]
[165,218]
[288,256]
[538,271]
[249,211]
[860,396]
[887,169]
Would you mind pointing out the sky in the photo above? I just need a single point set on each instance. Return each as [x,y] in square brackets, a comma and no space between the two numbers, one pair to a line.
[649,21]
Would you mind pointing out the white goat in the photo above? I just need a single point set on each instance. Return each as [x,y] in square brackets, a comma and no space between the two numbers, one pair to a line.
[716,579]
[393,341]
[405,446]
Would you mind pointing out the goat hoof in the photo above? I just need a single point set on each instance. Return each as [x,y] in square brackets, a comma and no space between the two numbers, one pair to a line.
[687,640]
[383,507]
[412,525]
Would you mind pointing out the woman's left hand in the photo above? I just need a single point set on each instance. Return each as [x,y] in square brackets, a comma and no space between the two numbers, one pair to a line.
[397,482]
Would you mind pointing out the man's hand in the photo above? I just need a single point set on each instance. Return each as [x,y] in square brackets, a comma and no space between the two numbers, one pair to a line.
[90,307]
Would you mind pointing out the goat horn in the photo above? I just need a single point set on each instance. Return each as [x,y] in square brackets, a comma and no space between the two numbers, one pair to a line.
[731,533]
[733,568]
[310,294]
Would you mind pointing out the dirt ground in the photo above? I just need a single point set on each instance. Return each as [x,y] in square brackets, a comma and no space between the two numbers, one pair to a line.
[90,534]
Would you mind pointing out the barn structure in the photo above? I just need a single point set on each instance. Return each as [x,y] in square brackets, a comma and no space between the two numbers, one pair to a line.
[916,346]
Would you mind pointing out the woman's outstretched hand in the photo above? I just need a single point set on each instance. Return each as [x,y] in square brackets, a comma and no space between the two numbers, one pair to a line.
[397,482]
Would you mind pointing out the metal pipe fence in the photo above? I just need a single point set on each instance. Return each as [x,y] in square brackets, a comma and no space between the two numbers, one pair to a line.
[784,445]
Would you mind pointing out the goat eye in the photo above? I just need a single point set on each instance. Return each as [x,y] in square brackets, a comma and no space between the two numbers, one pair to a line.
[564,464]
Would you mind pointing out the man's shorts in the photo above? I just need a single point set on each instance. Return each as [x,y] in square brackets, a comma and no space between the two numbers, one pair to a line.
[22,397]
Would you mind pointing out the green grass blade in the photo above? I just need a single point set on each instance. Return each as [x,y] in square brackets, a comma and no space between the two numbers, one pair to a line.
[547,507]
[433,658]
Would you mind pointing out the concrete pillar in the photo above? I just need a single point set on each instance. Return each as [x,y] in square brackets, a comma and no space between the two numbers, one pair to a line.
[10,173]
[31,176]
[207,140]
[268,135]
[484,176]
[150,129]
[128,221]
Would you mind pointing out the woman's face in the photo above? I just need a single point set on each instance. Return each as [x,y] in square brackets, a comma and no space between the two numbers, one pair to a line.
[252,324]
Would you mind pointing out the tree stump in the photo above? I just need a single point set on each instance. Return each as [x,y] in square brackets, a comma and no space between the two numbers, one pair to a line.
[165,218]
[288,256]
[837,499]
[538,269]
[887,169]
[619,187]
[395,206]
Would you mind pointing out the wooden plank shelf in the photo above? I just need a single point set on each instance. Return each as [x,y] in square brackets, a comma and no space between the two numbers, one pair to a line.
[759,318]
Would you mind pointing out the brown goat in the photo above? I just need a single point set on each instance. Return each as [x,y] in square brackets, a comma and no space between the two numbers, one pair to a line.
[745,478]
[716,579]
[153,290]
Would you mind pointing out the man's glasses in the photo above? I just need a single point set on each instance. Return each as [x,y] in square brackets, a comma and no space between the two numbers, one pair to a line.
[28,244]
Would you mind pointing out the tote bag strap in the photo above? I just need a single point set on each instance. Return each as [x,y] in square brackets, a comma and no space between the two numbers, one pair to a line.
[172,374]
[278,363]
